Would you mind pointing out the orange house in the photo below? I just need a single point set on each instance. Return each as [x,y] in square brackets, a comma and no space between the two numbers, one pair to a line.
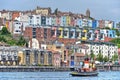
[15,14]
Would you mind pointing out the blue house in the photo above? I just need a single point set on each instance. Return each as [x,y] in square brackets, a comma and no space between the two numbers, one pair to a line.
[72,33]
[111,33]
[79,22]
[90,23]
[43,20]
[94,24]
[101,35]
[63,21]
[90,34]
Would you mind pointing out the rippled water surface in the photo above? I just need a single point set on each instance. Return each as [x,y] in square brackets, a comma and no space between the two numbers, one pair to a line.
[110,75]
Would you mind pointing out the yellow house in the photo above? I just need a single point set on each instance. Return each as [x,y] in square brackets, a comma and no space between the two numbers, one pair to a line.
[68,20]
[59,47]
[35,57]
[60,32]
[84,35]
[43,11]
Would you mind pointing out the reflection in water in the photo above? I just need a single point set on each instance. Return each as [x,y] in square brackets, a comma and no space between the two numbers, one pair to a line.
[55,76]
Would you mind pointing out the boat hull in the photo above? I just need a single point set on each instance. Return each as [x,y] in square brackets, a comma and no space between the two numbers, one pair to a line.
[84,73]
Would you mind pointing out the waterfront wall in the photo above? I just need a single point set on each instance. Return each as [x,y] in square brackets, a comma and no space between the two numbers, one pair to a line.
[32,69]
[106,68]
[50,68]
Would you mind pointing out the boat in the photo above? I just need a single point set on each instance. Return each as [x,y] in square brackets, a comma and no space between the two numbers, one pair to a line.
[75,73]
[88,69]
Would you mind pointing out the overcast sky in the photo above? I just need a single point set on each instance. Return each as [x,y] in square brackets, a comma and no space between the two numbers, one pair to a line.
[100,9]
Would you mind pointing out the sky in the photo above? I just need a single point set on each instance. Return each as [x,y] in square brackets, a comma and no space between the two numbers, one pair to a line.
[99,9]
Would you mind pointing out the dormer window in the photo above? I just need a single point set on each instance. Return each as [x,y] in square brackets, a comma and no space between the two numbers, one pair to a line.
[71,33]
[95,35]
[89,34]
[58,32]
[65,33]
[83,34]
[52,32]
[77,34]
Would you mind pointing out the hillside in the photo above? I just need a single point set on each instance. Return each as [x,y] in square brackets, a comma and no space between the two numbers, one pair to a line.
[6,37]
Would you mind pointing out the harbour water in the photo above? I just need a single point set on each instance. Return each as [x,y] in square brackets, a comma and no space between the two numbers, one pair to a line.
[109,75]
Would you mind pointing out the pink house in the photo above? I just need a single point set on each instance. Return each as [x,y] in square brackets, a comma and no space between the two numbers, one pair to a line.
[56,58]
[96,35]
[54,32]
[72,21]
[58,20]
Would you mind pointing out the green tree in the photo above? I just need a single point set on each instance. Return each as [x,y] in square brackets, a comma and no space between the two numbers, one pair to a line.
[116,41]
[4,31]
[21,41]
[117,31]
[100,57]
[92,55]
[115,57]
[105,59]
[12,42]
[2,39]
[56,11]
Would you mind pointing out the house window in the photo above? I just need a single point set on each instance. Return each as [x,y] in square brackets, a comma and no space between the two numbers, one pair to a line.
[83,34]
[52,32]
[58,32]
[37,17]
[72,57]
[71,33]
[65,33]
[77,34]
[58,47]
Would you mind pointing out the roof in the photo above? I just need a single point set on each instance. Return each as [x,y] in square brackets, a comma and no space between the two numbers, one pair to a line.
[79,54]
[107,39]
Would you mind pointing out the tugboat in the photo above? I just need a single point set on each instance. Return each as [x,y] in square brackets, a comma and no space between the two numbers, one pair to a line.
[88,69]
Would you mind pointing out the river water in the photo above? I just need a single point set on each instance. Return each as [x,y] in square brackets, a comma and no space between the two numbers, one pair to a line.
[110,75]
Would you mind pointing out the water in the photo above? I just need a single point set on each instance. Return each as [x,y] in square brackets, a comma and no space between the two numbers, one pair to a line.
[115,75]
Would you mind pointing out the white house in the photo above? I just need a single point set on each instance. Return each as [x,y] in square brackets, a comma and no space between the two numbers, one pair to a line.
[35,20]
[105,48]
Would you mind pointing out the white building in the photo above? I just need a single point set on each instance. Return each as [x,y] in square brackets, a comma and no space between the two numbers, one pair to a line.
[35,20]
[109,24]
[17,27]
[7,15]
[105,48]
[48,20]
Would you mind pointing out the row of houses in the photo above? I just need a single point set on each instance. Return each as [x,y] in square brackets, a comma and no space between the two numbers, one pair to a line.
[55,53]
[67,34]
[68,21]
[16,21]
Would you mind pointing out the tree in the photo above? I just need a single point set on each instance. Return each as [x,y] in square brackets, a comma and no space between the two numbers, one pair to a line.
[56,11]
[106,59]
[92,55]
[115,57]
[21,41]
[100,57]
[2,39]
[4,31]
[117,32]
[116,41]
